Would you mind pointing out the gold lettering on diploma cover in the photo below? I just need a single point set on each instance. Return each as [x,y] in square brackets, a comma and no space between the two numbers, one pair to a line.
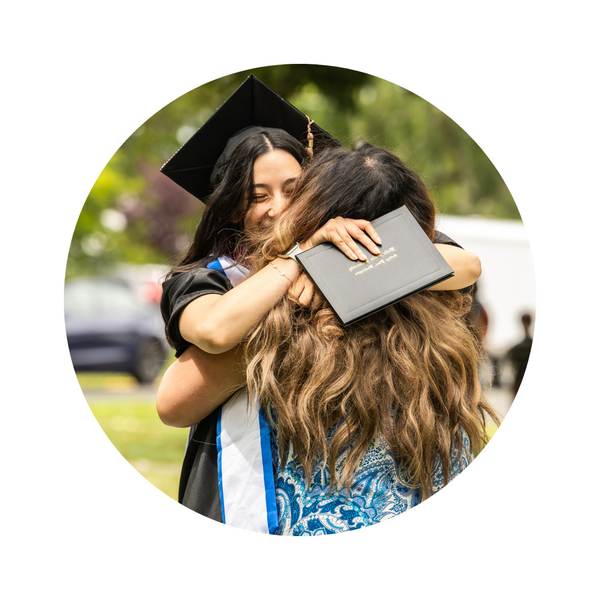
[375,261]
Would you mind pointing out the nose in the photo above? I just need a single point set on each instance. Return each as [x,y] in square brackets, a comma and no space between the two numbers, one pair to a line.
[278,203]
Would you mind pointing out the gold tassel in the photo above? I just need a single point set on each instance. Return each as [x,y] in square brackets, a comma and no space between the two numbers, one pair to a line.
[310,137]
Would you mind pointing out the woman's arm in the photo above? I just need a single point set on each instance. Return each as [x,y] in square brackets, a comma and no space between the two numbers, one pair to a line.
[217,323]
[466,267]
[196,384]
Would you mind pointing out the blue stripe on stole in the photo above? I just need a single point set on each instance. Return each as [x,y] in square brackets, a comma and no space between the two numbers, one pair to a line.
[268,476]
[220,463]
[215,265]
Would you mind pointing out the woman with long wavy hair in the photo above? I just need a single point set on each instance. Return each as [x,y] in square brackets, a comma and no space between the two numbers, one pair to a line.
[367,420]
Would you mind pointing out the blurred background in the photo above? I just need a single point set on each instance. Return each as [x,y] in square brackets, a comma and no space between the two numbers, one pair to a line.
[136,221]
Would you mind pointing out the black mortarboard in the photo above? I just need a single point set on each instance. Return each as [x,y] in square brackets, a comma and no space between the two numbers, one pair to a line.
[252,104]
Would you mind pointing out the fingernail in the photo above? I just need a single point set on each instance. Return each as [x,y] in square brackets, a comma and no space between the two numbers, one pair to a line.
[378,240]
[354,256]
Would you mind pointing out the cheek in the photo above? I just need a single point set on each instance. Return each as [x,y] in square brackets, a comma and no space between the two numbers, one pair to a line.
[253,216]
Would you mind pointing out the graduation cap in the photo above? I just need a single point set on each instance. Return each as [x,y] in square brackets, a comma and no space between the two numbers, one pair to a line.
[253,104]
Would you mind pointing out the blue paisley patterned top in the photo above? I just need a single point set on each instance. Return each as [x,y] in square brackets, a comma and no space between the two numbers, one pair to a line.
[379,491]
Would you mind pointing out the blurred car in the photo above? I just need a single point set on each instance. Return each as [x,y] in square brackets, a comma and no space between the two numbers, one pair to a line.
[110,328]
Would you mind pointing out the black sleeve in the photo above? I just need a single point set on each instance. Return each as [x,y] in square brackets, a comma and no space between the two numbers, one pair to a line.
[442,238]
[179,291]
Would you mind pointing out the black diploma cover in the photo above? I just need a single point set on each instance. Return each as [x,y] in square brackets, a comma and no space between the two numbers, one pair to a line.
[409,263]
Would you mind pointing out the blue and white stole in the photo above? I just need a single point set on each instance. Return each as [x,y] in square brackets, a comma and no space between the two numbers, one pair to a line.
[245,465]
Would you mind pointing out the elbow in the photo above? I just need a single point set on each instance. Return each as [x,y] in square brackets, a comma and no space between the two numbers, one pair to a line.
[468,272]
[172,411]
[167,411]
[474,268]
[162,408]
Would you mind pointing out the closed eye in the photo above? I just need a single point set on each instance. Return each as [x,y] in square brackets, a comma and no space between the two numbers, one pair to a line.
[288,186]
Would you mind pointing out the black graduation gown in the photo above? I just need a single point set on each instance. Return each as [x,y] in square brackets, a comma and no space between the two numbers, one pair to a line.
[198,484]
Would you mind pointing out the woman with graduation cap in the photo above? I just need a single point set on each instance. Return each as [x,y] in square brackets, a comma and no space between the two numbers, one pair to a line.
[249,153]
[243,164]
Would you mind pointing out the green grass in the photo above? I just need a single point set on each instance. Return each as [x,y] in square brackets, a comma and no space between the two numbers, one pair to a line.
[116,381]
[132,425]
[491,430]
[111,382]
[153,449]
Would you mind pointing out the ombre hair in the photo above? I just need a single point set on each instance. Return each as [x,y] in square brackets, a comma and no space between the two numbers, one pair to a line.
[408,374]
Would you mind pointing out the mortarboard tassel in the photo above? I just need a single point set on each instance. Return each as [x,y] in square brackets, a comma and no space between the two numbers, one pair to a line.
[310,137]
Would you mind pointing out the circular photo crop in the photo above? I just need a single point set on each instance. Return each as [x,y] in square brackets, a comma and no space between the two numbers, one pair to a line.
[299,300]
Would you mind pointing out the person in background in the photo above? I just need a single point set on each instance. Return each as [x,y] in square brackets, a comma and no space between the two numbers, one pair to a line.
[478,316]
[518,355]
[479,321]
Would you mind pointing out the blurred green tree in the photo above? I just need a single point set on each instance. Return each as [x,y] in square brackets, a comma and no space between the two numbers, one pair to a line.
[135,214]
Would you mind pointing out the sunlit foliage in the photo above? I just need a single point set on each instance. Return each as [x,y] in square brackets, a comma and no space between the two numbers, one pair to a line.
[135,214]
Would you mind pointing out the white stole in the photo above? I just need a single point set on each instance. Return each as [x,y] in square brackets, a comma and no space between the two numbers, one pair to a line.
[246,481]
[245,465]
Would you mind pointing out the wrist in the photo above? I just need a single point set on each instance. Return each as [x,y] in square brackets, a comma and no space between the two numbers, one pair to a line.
[293,252]
[288,269]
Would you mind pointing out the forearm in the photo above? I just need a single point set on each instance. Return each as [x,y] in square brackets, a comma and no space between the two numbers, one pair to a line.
[196,384]
[466,267]
[217,324]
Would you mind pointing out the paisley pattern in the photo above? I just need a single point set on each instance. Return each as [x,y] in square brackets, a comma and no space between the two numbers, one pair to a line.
[380,491]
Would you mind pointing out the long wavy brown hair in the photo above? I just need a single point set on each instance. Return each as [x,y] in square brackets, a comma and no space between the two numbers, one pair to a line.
[408,374]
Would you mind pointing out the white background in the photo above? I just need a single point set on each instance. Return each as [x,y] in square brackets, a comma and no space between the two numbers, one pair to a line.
[78,79]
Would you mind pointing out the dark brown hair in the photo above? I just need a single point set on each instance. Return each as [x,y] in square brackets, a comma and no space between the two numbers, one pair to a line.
[221,228]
